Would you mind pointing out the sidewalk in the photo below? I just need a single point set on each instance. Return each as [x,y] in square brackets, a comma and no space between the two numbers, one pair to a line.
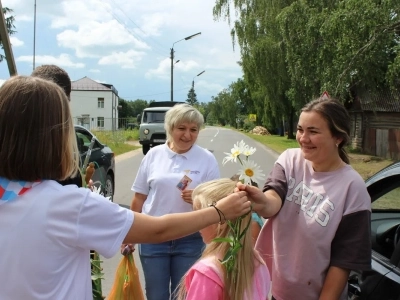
[129,154]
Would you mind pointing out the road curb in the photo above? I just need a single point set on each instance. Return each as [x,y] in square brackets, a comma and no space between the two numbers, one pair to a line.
[127,155]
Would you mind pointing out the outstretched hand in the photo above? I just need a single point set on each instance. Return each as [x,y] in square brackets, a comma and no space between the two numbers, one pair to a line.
[127,249]
[234,205]
[256,196]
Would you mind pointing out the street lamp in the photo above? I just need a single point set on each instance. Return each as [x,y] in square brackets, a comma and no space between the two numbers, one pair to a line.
[172,61]
[195,77]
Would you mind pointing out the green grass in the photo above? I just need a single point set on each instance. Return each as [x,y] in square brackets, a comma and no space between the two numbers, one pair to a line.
[274,142]
[117,140]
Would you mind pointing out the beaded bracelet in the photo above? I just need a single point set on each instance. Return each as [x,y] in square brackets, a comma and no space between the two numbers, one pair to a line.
[220,213]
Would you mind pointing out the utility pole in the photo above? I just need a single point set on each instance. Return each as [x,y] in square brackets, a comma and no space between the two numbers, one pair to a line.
[172,73]
[34,35]
[6,44]
[172,61]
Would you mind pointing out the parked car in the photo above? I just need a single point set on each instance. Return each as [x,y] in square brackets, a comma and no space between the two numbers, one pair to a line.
[383,281]
[103,158]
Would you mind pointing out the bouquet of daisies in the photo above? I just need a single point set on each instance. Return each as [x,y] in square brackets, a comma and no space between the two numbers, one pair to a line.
[249,173]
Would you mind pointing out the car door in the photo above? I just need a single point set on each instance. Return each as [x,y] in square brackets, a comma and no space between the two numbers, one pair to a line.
[383,281]
[84,139]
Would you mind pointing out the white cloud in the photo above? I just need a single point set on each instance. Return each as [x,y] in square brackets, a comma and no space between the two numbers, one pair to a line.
[105,36]
[92,29]
[15,42]
[2,81]
[164,68]
[63,60]
[212,87]
[153,23]
[74,13]
[126,60]
[95,39]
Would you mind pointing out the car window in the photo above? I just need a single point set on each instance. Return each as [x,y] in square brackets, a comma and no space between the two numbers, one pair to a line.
[83,140]
[153,117]
[390,200]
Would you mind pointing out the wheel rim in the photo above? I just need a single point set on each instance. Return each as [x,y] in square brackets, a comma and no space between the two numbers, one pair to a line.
[108,188]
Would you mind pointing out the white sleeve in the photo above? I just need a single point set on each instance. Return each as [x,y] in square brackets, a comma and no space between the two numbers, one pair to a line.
[213,172]
[141,183]
[102,225]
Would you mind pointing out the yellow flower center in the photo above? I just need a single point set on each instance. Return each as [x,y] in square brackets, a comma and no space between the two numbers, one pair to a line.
[249,172]
[236,153]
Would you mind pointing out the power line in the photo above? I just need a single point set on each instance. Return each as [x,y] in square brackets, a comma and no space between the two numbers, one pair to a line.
[154,94]
[162,46]
[136,37]
[77,96]
[132,34]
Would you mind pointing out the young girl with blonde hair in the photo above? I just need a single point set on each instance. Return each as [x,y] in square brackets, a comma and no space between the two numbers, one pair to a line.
[209,278]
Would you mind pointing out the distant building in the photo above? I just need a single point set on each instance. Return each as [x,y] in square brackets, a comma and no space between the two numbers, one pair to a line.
[94,105]
[375,120]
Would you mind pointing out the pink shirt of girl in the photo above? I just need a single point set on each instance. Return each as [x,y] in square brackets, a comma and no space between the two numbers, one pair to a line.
[205,281]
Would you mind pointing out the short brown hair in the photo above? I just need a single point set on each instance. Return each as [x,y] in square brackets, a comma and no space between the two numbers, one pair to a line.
[55,74]
[37,136]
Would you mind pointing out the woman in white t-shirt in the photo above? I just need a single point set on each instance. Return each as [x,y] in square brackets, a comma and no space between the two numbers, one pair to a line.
[318,208]
[46,229]
[163,185]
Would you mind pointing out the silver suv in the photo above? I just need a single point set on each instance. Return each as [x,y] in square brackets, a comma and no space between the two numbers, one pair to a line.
[151,130]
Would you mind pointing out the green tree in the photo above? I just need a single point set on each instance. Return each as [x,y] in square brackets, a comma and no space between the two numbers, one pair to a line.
[10,26]
[138,106]
[192,97]
[125,111]
[262,57]
[292,51]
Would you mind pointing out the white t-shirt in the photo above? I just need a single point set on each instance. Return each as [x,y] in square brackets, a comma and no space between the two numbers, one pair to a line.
[45,238]
[162,169]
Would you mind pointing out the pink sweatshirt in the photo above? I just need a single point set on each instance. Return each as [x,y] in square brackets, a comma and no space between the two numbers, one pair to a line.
[205,281]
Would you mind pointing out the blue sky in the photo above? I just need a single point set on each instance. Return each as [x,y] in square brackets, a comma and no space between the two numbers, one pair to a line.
[127,44]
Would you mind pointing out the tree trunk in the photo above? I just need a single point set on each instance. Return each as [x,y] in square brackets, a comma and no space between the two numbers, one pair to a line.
[290,125]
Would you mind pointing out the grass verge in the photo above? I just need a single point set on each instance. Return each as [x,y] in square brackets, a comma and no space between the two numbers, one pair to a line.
[118,139]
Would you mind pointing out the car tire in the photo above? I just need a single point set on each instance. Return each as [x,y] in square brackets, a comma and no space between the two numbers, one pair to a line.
[109,187]
[145,149]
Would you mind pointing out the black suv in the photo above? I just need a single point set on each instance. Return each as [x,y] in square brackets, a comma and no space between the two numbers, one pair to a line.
[103,158]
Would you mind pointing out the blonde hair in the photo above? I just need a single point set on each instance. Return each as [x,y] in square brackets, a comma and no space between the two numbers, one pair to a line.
[179,114]
[37,136]
[240,282]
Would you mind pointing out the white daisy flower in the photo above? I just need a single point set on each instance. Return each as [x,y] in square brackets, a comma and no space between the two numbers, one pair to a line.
[249,172]
[248,150]
[235,152]
[97,190]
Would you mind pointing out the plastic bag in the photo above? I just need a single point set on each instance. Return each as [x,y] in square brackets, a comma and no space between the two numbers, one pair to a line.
[126,283]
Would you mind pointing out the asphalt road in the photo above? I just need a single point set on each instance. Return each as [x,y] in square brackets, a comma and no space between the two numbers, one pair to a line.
[216,139]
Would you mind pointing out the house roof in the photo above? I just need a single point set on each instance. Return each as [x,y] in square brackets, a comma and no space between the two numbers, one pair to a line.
[383,101]
[87,84]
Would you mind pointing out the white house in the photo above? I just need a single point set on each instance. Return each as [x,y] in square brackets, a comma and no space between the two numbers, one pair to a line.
[94,105]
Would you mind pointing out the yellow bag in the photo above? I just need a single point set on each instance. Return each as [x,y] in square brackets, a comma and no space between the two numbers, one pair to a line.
[126,283]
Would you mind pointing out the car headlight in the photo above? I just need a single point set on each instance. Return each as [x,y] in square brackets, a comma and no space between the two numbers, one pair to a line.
[146,131]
